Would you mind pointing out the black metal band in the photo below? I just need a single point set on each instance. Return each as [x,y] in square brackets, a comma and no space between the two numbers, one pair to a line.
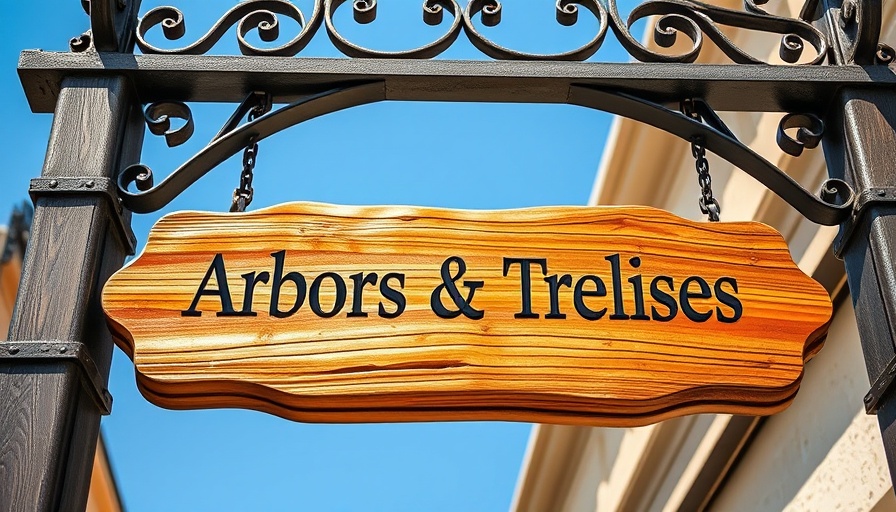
[65,351]
[105,187]
[880,387]
[864,200]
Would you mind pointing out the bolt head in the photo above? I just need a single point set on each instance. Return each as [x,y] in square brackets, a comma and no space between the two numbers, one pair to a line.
[54,183]
[848,11]
[90,184]
[13,350]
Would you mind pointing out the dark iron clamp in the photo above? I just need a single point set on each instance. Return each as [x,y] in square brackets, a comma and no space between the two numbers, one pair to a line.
[90,186]
[881,386]
[62,351]
[864,202]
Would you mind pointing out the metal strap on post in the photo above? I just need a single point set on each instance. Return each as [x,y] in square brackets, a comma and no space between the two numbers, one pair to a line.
[864,201]
[93,186]
[880,387]
[65,351]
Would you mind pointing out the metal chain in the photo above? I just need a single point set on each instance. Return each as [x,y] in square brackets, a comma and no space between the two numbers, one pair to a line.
[243,194]
[709,205]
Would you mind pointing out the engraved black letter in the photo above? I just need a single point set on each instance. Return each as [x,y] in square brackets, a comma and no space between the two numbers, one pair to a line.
[314,295]
[638,288]
[729,300]
[663,298]
[618,305]
[296,278]
[223,291]
[685,297]
[554,283]
[392,294]
[358,291]
[526,282]
[251,281]
[599,291]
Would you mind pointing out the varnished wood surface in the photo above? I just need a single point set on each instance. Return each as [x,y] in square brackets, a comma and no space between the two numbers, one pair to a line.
[419,366]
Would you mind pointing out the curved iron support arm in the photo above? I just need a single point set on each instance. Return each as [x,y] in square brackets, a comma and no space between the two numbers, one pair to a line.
[151,198]
[714,136]
[813,208]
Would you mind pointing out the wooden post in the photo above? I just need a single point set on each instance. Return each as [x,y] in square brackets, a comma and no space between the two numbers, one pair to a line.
[49,419]
[859,149]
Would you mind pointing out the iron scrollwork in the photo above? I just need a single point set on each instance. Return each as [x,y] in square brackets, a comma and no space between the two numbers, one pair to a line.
[158,119]
[258,15]
[365,12]
[234,138]
[809,128]
[670,18]
[566,14]
[830,208]
[696,19]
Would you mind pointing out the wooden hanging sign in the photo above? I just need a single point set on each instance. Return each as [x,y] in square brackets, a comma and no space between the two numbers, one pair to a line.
[610,316]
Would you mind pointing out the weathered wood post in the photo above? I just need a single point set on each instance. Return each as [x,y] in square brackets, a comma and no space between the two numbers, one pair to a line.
[55,366]
[859,142]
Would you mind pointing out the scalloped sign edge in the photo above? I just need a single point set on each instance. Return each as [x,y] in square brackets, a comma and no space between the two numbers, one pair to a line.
[634,315]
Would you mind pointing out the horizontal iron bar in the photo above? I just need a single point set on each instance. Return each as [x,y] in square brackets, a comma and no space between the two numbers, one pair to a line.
[735,87]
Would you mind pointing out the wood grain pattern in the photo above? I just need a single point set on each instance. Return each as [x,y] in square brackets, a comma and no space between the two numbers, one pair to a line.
[48,422]
[418,366]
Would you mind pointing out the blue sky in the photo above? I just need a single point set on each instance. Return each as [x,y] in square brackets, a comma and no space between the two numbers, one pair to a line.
[479,156]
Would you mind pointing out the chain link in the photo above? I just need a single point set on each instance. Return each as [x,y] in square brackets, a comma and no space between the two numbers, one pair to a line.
[243,194]
[709,205]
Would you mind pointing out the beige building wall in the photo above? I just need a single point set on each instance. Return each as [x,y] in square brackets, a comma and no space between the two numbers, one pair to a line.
[823,453]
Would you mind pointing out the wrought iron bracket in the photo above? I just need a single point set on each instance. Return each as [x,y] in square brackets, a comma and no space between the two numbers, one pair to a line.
[710,117]
[865,200]
[831,207]
[89,186]
[150,197]
[880,387]
[62,351]
[718,139]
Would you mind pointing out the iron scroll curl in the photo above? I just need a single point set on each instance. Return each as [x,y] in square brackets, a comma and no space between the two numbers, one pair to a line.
[247,16]
[696,19]
[365,12]
[832,208]
[566,12]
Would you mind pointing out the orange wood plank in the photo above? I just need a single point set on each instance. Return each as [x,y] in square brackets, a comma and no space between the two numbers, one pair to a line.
[635,348]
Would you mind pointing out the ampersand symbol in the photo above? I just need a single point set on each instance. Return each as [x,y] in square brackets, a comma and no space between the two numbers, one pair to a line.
[449,284]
